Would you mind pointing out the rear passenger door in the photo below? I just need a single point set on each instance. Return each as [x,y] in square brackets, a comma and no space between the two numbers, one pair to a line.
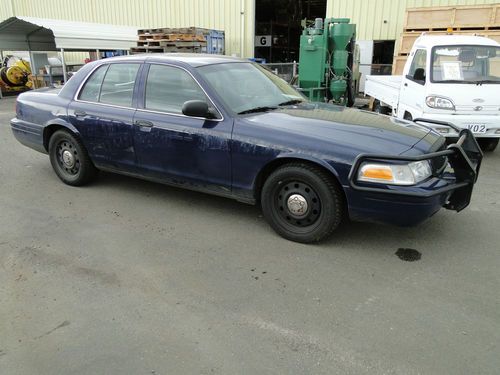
[103,113]
[174,147]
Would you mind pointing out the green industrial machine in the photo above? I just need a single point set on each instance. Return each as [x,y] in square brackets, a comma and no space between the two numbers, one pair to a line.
[328,61]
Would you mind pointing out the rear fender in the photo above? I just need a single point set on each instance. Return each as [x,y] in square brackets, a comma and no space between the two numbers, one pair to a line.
[53,125]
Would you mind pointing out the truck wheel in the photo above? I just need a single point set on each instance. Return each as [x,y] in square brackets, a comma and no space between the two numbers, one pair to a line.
[488,144]
[379,108]
[70,159]
[302,202]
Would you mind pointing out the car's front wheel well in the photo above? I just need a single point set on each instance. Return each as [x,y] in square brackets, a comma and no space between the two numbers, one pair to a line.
[277,163]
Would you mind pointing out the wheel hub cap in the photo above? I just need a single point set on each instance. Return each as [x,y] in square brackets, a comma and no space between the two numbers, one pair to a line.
[297,205]
[68,158]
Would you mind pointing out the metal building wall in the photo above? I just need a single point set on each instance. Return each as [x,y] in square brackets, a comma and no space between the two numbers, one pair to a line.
[235,17]
[369,15]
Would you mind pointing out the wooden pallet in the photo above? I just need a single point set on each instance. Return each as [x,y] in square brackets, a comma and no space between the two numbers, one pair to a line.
[170,43]
[172,37]
[177,30]
[485,17]
[165,49]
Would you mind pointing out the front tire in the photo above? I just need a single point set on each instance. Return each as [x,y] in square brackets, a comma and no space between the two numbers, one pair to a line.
[302,202]
[488,144]
[70,160]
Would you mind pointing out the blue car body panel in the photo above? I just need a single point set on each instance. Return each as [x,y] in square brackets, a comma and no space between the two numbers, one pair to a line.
[228,156]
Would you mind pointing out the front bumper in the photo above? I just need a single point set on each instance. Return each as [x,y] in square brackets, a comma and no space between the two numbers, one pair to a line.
[408,205]
[490,124]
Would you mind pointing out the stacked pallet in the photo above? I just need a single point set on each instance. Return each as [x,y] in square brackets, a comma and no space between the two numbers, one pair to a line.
[186,39]
[483,20]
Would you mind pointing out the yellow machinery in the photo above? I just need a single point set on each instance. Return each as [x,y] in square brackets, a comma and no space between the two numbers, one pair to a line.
[14,75]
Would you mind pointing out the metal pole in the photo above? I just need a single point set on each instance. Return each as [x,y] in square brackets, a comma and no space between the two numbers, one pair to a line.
[294,69]
[65,74]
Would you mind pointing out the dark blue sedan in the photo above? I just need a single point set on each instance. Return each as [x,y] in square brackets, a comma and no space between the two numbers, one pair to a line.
[229,127]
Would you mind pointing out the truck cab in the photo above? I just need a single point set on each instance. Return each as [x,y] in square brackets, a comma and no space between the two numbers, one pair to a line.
[447,78]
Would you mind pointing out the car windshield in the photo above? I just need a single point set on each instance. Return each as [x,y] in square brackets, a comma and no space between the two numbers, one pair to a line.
[466,64]
[248,87]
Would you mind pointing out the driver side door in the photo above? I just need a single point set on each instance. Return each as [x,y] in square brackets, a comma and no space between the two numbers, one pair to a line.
[412,96]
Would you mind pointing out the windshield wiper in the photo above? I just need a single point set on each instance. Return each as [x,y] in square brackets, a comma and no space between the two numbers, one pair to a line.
[256,109]
[480,82]
[290,102]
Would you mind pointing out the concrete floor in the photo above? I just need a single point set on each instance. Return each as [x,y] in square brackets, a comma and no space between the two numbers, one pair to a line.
[131,277]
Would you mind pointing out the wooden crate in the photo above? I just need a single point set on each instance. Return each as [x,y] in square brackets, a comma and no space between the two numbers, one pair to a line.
[408,38]
[398,64]
[459,17]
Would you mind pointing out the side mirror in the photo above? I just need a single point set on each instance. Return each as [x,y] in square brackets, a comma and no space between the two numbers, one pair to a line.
[196,108]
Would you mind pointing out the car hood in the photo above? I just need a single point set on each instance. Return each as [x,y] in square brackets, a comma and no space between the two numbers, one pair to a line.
[359,131]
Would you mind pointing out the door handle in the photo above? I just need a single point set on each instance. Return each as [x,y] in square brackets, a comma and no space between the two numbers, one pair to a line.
[80,113]
[144,124]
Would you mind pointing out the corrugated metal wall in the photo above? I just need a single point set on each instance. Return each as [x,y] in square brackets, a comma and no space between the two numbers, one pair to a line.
[225,15]
[369,15]
[213,14]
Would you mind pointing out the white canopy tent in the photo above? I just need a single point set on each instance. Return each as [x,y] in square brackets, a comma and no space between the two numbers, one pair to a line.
[41,34]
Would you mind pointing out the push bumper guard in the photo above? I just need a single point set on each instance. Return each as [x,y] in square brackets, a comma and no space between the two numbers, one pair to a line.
[464,156]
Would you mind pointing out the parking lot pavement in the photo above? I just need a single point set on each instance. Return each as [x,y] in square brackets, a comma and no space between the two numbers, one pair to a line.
[131,277]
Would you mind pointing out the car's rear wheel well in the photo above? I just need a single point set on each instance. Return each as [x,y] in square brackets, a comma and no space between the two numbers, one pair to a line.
[275,164]
[407,116]
[48,131]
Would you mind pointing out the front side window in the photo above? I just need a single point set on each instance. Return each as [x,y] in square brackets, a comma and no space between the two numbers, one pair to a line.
[418,66]
[466,64]
[168,88]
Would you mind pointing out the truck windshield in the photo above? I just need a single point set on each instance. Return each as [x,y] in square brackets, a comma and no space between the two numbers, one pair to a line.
[466,64]
[248,87]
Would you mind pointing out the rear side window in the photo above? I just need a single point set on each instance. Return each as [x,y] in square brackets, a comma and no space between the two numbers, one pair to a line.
[111,84]
[118,85]
[90,91]
[167,88]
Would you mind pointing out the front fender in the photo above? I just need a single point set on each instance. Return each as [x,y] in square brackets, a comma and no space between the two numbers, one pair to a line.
[310,158]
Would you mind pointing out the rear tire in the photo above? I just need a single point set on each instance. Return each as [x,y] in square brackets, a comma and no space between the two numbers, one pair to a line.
[488,144]
[302,203]
[70,159]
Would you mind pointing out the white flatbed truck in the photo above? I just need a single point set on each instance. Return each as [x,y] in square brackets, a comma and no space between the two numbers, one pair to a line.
[447,78]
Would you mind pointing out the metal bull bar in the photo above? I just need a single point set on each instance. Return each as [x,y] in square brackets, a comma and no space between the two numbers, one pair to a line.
[464,156]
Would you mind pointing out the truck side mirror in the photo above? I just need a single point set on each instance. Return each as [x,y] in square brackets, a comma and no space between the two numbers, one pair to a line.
[419,75]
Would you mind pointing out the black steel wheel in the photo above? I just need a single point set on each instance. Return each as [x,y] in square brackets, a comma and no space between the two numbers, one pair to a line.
[69,159]
[302,202]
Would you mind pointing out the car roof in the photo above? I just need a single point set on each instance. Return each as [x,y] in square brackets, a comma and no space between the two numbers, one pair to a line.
[426,41]
[192,59]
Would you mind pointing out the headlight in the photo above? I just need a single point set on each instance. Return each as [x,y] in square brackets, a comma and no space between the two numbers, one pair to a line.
[439,102]
[395,174]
